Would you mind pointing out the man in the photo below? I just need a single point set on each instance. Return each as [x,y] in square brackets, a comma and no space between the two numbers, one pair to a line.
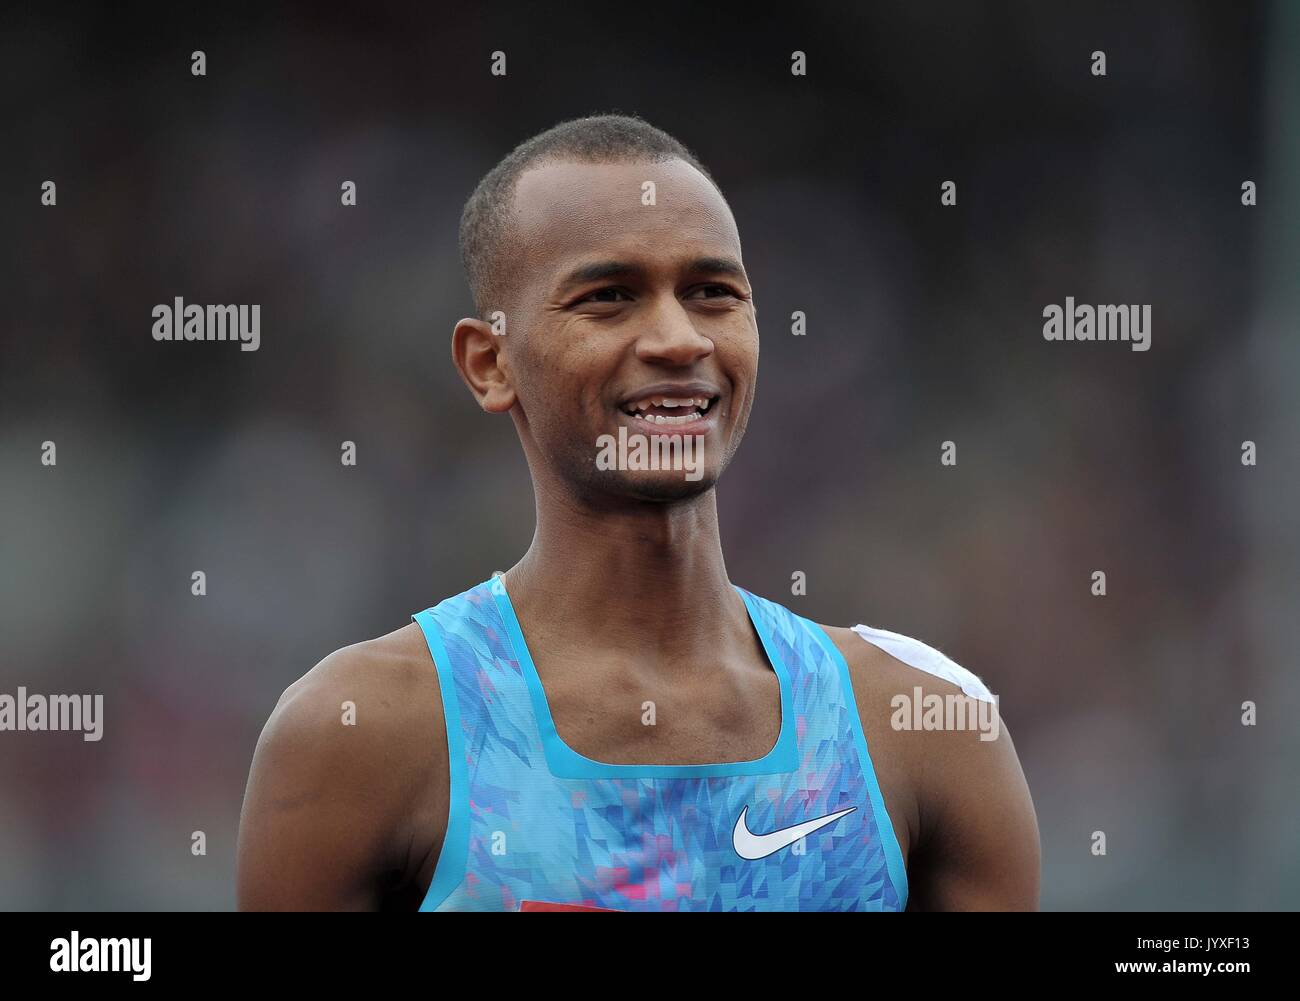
[612,723]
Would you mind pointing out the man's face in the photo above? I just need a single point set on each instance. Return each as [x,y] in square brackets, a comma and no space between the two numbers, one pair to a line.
[628,315]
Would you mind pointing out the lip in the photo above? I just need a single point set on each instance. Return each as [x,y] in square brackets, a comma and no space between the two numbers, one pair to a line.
[674,390]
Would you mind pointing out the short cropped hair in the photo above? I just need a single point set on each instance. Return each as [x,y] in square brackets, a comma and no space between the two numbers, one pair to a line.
[485,222]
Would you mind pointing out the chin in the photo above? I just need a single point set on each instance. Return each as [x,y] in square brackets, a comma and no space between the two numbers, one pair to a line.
[664,487]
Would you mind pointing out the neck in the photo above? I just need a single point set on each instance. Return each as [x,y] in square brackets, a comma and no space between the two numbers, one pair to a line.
[647,580]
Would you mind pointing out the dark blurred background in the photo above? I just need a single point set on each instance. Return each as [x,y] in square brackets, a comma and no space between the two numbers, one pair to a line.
[925,324]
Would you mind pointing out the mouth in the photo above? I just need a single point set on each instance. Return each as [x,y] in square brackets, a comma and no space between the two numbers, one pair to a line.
[658,411]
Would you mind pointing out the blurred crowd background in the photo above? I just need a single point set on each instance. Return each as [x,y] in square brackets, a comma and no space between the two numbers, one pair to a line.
[924,325]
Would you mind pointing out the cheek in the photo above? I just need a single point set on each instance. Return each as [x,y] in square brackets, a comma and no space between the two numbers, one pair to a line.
[560,379]
[542,363]
[738,354]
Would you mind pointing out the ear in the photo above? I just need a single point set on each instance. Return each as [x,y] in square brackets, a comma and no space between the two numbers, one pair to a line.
[479,358]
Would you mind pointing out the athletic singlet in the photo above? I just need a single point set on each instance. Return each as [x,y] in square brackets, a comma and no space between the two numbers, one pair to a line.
[802,828]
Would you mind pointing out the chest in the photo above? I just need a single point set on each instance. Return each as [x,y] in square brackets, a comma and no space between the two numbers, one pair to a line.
[652,718]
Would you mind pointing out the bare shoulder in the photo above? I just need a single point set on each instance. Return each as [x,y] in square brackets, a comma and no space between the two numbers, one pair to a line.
[908,695]
[939,744]
[363,705]
[345,780]
[384,674]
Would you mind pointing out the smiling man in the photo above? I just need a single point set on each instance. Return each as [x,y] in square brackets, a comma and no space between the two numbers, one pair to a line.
[612,723]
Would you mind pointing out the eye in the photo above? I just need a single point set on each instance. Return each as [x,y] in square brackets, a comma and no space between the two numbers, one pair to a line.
[606,295]
[713,292]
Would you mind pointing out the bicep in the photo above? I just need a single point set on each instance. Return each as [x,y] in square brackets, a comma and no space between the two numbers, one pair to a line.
[982,850]
[306,838]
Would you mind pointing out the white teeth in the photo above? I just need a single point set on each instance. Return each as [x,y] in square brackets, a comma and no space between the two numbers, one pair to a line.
[694,415]
[700,403]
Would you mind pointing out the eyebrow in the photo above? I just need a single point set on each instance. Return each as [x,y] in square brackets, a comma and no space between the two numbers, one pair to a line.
[598,270]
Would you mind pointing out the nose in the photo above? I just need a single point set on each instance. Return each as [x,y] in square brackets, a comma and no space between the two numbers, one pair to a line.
[669,336]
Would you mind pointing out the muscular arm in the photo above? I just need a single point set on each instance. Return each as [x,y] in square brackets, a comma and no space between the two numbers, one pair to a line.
[979,848]
[346,817]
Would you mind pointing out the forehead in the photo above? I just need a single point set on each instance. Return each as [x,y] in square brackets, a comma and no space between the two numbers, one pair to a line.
[565,213]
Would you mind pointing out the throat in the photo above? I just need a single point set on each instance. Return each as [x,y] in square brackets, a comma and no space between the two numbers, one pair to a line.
[685,617]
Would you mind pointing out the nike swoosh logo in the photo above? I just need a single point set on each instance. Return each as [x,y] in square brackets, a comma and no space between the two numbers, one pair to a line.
[751,846]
